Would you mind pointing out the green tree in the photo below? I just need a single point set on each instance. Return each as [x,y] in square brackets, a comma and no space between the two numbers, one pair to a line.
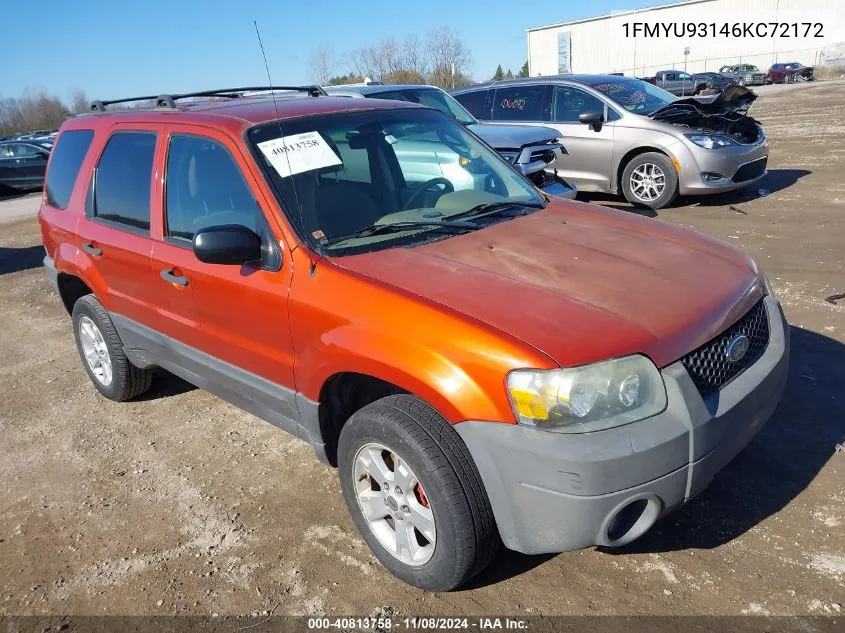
[523,72]
[499,74]
[509,74]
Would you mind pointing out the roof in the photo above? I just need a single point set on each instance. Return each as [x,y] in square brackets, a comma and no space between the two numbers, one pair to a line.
[241,112]
[545,79]
[616,14]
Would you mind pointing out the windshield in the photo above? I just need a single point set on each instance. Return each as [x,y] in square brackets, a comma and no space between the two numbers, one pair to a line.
[793,66]
[344,173]
[431,97]
[634,95]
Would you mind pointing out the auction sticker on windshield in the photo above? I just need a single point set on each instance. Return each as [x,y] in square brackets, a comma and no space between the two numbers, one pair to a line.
[298,153]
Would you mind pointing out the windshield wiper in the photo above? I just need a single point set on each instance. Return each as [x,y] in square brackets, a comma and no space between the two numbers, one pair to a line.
[394,227]
[489,208]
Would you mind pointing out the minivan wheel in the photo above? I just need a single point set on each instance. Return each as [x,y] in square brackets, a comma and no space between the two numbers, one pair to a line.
[102,353]
[650,180]
[415,494]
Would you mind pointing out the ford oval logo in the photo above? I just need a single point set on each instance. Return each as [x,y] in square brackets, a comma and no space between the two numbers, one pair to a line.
[737,348]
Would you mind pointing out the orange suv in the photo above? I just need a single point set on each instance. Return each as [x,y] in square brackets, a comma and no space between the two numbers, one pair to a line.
[482,363]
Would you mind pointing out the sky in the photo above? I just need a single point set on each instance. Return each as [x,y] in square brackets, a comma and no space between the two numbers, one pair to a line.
[120,48]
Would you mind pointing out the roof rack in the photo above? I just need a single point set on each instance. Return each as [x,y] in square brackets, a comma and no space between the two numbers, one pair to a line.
[169,100]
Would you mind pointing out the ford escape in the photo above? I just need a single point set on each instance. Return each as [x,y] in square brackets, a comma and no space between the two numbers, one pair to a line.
[482,363]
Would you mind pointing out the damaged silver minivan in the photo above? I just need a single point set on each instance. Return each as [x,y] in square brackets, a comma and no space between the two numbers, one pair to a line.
[623,135]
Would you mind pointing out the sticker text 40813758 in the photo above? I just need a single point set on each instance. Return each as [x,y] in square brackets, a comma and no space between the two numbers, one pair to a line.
[298,153]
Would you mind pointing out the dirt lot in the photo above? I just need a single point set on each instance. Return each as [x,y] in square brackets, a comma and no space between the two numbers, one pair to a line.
[180,503]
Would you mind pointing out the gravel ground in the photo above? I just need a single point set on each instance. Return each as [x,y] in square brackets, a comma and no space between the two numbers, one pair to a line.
[179,503]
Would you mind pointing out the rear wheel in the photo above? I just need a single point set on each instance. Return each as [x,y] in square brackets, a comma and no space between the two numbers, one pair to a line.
[415,494]
[650,180]
[102,353]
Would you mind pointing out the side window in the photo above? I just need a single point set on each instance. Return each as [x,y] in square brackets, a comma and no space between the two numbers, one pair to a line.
[474,102]
[5,151]
[519,103]
[205,188]
[568,103]
[122,179]
[68,155]
[669,77]
[21,150]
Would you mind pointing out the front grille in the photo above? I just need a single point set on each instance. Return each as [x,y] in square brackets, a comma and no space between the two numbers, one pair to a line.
[709,367]
[751,170]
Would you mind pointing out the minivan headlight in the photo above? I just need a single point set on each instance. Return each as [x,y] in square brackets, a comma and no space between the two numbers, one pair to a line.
[588,398]
[710,141]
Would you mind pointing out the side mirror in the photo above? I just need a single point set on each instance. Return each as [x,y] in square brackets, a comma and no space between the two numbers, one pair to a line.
[591,118]
[227,244]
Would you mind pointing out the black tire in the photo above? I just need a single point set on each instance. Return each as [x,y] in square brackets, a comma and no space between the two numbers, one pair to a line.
[466,535]
[128,381]
[670,190]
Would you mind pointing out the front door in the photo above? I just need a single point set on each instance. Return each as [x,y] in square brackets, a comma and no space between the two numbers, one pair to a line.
[588,148]
[243,341]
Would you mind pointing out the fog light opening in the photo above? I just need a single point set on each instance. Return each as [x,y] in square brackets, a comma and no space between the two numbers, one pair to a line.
[712,176]
[626,519]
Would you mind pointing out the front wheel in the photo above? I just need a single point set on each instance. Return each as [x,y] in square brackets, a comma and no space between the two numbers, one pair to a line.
[650,180]
[415,494]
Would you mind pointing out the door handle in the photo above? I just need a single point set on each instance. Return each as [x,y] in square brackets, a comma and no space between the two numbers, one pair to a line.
[168,276]
[92,250]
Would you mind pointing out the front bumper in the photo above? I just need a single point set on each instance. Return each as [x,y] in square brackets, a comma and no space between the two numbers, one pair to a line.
[729,162]
[554,492]
[554,185]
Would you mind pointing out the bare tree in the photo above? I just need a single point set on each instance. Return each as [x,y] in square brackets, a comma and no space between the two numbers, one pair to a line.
[31,111]
[414,56]
[79,102]
[449,58]
[321,65]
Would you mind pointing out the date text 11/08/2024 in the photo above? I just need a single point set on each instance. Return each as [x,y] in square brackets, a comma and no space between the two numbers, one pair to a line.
[414,623]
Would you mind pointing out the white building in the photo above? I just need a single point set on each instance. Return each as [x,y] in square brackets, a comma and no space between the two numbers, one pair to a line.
[641,42]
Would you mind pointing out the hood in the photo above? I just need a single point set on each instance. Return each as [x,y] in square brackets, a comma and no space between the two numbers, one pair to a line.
[514,136]
[579,283]
[734,99]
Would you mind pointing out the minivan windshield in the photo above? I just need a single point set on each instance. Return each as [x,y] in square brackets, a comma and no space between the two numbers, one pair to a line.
[360,181]
[633,94]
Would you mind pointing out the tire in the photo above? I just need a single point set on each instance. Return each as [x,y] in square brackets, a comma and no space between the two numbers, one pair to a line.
[670,181]
[426,446]
[126,381]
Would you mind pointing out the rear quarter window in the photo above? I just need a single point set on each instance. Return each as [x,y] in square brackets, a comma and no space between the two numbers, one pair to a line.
[68,156]
[474,102]
[519,103]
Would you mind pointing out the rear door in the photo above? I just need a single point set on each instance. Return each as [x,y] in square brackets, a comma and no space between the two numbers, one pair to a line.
[115,229]
[243,344]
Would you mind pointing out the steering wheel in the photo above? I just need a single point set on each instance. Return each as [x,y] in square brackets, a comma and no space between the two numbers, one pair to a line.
[448,187]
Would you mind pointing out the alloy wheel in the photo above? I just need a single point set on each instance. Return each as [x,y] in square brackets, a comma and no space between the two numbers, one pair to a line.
[647,182]
[394,504]
[95,351]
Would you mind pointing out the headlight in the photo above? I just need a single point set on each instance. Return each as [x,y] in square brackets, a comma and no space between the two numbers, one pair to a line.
[589,398]
[709,141]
